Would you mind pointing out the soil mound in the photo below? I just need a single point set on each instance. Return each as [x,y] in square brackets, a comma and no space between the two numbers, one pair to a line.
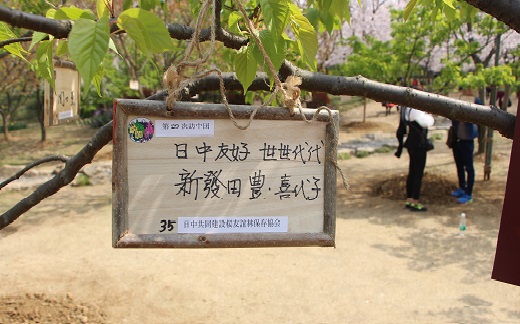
[435,188]
[43,308]
[368,126]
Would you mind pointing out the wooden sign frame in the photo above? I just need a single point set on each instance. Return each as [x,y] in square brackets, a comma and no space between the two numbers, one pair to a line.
[67,94]
[130,225]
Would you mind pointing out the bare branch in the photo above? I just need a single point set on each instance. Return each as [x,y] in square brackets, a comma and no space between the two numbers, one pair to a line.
[62,158]
[15,40]
[63,178]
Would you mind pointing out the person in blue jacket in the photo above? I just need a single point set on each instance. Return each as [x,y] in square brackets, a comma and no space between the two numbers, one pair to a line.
[463,146]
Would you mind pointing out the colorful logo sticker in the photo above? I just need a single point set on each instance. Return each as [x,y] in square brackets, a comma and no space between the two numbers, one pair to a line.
[141,130]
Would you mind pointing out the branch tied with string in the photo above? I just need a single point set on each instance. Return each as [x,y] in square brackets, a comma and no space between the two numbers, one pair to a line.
[175,78]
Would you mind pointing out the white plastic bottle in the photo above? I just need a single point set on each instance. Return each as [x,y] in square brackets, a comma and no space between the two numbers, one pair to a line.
[462,224]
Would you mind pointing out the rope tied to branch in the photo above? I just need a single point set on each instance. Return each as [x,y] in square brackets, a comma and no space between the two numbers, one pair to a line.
[175,80]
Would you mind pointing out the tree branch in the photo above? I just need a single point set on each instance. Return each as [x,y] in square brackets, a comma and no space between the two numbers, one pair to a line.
[63,178]
[17,18]
[15,40]
[62,28]
[503,10]
[490,116]
[20,173]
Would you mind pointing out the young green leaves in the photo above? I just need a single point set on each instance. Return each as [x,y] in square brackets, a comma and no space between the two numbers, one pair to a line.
[14,48]
[147,30]
[89,40]
[278,16]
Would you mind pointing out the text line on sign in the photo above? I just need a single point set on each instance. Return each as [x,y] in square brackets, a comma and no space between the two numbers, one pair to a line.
[185,128]
[207,225]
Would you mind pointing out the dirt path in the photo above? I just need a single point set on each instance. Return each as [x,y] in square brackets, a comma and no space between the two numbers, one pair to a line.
[389,266]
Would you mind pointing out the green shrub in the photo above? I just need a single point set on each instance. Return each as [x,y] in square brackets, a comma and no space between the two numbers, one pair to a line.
[344,156]
[384,149]
[14,126]
[82,180]
[436,137]
[362,154]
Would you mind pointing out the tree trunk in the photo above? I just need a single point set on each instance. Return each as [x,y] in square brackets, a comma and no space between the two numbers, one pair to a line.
[364,109]
[506,98]
[5,123]
[481,128]
[493,101]
[40,112]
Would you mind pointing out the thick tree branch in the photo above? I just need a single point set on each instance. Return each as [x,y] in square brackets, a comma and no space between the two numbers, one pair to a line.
[507,11]
[490,116]
[63,178]
[17,18]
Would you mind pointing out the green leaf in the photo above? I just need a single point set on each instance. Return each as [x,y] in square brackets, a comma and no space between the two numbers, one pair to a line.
[73,13]
[88,45]
[147,4]
[127,4]
[449,3]
[409,8]
[234,18]
[274,48]
[97,78]
[44,64]
[101,8]
[37,36]
[50,13]
[327,18]
[341,8]
[195,6]
[450,13]
[314,17]
[276,15]
[112,46]
[63,47]
[245,66]
[305,36]
[147,30]
[13,48]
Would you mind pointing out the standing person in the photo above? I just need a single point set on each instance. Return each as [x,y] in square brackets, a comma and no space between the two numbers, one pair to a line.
[463,146]
[418,123]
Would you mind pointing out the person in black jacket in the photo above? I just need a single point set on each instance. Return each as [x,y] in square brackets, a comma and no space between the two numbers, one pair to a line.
[415,123]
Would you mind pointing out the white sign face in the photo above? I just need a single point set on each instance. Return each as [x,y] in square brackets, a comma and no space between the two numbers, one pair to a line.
[205,176]
[235,173]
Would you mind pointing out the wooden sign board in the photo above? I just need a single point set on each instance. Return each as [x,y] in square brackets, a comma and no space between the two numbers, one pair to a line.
[61,105]
[192,179]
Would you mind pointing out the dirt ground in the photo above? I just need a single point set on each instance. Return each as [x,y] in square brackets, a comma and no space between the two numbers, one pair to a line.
[390,265]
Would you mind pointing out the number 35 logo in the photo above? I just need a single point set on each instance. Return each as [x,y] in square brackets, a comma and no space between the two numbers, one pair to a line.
[167,225]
